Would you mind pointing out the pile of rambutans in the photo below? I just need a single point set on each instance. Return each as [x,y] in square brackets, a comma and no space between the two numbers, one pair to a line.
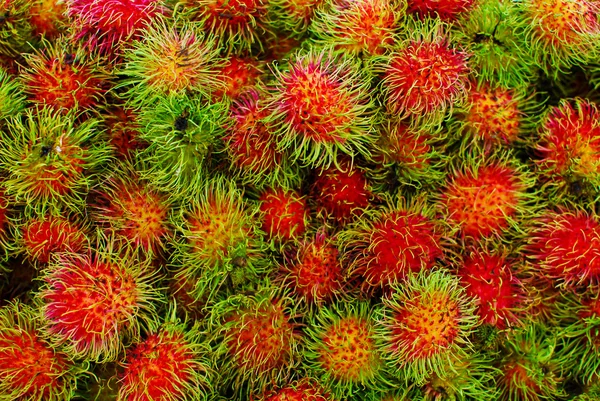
[308,200]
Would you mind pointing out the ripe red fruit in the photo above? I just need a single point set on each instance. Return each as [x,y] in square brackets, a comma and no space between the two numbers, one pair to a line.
[447,10]
[284,213]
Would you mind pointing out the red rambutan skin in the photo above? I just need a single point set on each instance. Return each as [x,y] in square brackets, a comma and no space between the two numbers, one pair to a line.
[341,193]
[447,10]
[105,24]
[565,247]
[29,366]
[425,77]
[284,213]
[488,278]
[123,132]
[480,202]
[48,18]
[41,238]
[571,140]
[239,74]
[304,390]
[158,368]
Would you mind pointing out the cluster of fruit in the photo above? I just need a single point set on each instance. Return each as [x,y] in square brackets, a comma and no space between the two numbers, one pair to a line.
[317,200]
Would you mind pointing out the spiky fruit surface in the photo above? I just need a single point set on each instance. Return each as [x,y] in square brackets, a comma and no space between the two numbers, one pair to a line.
[51,159]
[238,25]
[94,303]
[424,324]
[106,25]
[486,197]
[251,146]
[564,246]
[492,33]
[305,389]
[257,340]
[529,369]
[123,131]
[341,350]
[169,364]
[363,28]
[12,97]
[314,273]
[182,133]
[384,245]
[134,211]
[4,223]
[320,107]
[569,148]
[341,193]
[48,18]
[65,78]
[30,369]
[220,245]
[488,278]
[170,60]
[561,33]
[284,214]
[425,76]
[15,30]
[239,75]
[41,237]
[292,16]
[447,10]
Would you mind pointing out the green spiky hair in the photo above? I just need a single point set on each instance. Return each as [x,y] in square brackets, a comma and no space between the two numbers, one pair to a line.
[51,159]
[182,132]
[171,363]
[529,368]
[219,247]
[95,303]
[492,32]
[30,369]
[173,58]
[292,16]
[561,33]
[255,340]
[12,97]
[423,326]
[341,350]
[15,29]
[320,108]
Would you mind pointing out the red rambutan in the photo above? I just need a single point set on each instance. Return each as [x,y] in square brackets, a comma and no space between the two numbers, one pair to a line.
[239,74]
[447,10]
[284,214]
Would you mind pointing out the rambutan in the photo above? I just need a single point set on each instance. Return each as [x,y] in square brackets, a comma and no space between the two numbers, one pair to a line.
[426,76]
[292,17]
[123,131]
[446,10]
[386,244]
[171,363]
[30,368]
[239,75]
[171,59]
[48,18]
[106,25]
[320,106]
[340,194]
[486,196]
[360,27]
[569,148]
[65,78]
[564,246]
[425,324]
[51,160]
[15,28]
[304,389]
[12,95]
[95,303]
[256,340]
[284,214]
[341,351]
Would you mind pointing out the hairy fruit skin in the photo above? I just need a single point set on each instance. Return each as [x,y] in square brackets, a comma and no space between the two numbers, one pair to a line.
[284,214]
[447,10]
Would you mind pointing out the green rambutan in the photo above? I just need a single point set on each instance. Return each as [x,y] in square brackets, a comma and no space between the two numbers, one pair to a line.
[486,195]
[292,17]
[255,339]
[15,28]
[320,106]
[492,32]
[569,148]
[341,351]
[425,324]
[95,303]
[12,97]
[220,244]
[51,160]
[284,214]
[561,33]
[426,75]
[64,78]
[182,133]
[564,246]
[385,244]
[173,58]
[170,364]
[359,27]
[30,368]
